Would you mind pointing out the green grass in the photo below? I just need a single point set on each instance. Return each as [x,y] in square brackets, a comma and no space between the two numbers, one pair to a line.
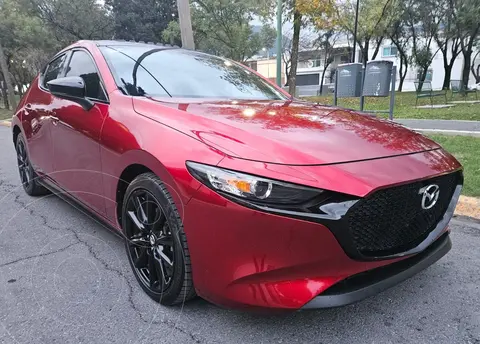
[405,106]
[5,114]
[467,150]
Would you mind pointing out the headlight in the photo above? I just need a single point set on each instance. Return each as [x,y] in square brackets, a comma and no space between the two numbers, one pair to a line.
[253,188]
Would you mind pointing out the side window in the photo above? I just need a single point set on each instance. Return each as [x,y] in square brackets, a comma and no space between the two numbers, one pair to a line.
[53,70]
[81,64]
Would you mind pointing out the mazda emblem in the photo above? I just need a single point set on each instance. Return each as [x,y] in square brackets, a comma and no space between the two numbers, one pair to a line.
[430,195]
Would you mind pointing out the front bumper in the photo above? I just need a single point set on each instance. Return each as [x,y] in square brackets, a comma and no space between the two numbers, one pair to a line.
[243,258]
[372,282]
[251,258]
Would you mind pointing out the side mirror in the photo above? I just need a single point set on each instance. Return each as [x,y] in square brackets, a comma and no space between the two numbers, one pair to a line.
[71,88]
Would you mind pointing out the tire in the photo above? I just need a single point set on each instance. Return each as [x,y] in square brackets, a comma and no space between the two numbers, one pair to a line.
[155,242]
[28,177]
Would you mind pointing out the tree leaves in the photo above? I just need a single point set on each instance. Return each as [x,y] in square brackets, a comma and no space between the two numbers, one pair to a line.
[142,20]
[223,27]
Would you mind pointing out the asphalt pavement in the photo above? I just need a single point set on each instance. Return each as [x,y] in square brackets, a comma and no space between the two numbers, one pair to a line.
[66,279]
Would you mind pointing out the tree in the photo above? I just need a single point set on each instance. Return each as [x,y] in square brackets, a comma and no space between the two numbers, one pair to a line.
[374,19]
[400,37]
[23,39]
[222,27]
[6,79]
[306,41]
[297,24]
[423,20]
[476,68]
[466,14]
[142,20]
[171,34]
[316,12]
[448,42]
[72,20]
[326,42]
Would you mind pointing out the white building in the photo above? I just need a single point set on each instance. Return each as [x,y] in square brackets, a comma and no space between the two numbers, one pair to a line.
[310,66]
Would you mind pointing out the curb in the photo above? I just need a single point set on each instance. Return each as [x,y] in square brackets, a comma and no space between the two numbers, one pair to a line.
[5,123]
[447,132]
[468,206]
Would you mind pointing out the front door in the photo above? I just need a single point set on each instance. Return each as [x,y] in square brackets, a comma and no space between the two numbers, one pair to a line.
[76,136]
[36,118]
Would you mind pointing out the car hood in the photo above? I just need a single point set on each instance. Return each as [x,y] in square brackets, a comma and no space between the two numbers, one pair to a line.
[285,132]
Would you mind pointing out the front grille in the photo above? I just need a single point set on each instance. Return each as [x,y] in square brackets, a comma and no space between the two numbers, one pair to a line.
[392,220]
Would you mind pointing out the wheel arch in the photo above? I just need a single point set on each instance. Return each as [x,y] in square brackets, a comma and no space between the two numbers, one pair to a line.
[126,177]
[138,162]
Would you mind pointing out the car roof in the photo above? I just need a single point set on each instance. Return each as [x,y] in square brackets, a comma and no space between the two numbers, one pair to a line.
[110,43]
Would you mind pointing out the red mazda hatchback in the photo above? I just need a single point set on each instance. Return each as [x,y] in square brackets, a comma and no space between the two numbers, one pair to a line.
[226,187]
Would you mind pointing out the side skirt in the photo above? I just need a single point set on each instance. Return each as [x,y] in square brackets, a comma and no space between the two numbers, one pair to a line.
[79,205]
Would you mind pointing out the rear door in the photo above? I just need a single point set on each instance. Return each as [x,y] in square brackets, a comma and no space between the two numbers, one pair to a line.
[76,135]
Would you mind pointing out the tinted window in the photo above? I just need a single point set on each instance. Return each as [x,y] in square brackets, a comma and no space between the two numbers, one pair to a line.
[143,70]
[81,64]
[53,70]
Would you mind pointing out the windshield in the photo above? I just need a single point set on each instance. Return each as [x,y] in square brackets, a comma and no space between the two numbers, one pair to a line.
[163,72]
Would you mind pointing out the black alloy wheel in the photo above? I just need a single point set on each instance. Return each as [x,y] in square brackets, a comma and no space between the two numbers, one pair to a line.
[24,167]
[28,177]
[155,242]
[150,241]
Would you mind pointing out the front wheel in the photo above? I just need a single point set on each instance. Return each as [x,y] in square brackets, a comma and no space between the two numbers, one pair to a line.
[155,242]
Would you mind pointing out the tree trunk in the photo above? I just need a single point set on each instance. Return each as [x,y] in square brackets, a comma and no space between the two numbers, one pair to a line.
[400,84]
[403,69]
[423,74]
[476,71]
[448,76]
[6,78]
[4,92]
[400,72]
[20,90]
[292,82]
[366,46]
[323,77]
[287,72]
[377,48]
[467,61]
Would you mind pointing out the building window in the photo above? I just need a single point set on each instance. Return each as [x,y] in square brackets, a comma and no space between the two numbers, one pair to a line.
[428,77]
[308,79]
[389,51]
[310,63]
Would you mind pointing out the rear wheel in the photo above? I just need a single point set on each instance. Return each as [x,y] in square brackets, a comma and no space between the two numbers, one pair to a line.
[28,177]
[155,242]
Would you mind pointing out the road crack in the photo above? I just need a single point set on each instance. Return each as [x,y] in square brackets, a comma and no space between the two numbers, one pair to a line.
[119,273]
[38,255]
